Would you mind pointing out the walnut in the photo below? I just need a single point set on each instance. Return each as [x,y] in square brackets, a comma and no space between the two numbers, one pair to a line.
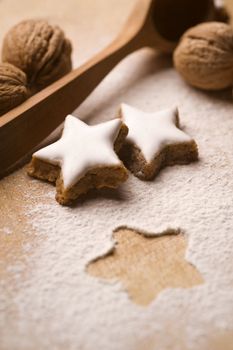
[40,50]
[204,56]
[13,87]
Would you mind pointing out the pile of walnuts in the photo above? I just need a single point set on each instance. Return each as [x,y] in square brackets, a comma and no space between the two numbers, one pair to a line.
[34,55]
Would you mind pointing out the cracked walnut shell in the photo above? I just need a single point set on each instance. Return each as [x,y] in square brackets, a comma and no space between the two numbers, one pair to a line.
[13,87]
[40,50]
[204,56]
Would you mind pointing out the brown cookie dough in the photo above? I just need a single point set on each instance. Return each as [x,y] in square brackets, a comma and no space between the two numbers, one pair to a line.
[84,158]
[154,141]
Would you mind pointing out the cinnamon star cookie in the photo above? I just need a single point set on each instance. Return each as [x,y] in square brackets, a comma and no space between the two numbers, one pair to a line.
[154,141]
[82,159]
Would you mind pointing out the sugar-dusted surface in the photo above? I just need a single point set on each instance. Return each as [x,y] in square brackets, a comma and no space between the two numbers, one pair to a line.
[58,305]
[47,300]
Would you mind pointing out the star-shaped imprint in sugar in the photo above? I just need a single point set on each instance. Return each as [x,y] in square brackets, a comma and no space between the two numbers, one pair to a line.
[154,141]
[147,264]
[84,158]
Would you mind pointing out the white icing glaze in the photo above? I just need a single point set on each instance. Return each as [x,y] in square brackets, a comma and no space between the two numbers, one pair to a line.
[152,131]
[81,148]
[53,285]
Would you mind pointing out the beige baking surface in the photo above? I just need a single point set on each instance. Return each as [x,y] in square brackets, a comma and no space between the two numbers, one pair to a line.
[164,265]
[91,25]
[88,24]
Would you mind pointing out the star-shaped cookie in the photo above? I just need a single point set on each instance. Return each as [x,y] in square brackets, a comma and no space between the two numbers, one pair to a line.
[82,159]
[154,141]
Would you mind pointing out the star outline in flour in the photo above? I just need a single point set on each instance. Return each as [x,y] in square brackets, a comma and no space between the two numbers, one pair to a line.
[145,264]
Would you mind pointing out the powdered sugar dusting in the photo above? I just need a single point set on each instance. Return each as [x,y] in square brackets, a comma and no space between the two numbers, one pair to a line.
[58,305]
[6,230]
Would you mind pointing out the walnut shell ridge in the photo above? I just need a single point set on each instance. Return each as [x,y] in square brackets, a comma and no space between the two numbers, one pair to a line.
[13,87]
[40,50]
[204,56]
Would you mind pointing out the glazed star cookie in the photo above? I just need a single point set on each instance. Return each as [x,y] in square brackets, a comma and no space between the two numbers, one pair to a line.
[82,159]
[154,141]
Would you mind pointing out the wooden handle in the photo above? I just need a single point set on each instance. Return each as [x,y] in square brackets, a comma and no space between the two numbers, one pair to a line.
[27,125]
[42,113]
